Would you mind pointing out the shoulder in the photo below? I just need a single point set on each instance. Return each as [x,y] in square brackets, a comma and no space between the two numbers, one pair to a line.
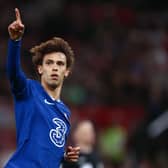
[34,83]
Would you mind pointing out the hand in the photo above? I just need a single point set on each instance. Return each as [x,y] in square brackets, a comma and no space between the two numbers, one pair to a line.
[16,28]
[72,154]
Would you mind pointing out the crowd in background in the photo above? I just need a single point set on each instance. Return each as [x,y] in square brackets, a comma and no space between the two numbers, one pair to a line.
[121,60]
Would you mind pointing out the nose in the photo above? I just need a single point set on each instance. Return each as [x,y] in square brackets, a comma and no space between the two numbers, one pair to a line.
[55,68]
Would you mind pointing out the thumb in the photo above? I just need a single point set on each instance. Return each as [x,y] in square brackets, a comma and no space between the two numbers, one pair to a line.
[69,148]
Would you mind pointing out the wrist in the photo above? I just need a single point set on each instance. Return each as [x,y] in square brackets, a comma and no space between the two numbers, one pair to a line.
[16,39]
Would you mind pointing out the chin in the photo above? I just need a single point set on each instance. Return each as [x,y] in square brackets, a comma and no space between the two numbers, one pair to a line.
[53,85]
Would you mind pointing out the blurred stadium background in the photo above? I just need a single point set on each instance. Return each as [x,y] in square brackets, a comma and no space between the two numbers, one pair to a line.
[120,76]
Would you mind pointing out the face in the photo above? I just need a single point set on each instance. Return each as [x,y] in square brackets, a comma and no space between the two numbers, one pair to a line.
[53,69]
[85,133]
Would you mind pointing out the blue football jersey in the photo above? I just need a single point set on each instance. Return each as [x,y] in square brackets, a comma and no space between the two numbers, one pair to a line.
[42,124]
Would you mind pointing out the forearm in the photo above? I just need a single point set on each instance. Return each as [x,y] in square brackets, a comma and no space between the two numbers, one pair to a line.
[13,59]
[15,74]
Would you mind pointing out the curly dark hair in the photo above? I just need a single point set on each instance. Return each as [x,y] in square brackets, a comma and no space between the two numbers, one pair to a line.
[55,44]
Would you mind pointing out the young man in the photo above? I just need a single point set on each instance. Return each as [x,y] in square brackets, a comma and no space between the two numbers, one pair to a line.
[42,119]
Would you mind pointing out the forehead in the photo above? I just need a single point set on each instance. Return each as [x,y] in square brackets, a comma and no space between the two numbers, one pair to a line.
[55,56]
[85,126]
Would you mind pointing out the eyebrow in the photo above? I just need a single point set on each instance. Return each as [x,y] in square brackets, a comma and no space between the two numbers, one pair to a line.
[51,60]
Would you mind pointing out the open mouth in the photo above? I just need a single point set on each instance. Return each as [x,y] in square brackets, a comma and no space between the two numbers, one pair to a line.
[54,76]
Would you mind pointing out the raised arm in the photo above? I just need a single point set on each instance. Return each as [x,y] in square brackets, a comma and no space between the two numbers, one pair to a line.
[15,74]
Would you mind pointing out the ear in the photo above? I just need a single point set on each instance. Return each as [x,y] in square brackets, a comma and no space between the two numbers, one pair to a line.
[39,69]
[67,73]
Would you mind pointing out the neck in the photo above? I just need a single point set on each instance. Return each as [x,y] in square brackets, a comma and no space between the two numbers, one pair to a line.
[53,92]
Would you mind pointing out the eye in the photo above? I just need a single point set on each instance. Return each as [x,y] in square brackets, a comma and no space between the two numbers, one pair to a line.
[60,63]
[49,62]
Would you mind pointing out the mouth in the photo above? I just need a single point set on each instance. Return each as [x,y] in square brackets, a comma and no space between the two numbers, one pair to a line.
[54,76]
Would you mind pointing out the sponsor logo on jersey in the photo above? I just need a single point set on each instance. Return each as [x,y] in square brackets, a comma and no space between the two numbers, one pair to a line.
[57,135]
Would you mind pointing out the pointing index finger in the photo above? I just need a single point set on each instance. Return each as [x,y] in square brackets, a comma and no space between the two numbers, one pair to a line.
[17,13]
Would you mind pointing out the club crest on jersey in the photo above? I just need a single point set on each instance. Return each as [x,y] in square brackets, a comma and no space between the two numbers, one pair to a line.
[57,135]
